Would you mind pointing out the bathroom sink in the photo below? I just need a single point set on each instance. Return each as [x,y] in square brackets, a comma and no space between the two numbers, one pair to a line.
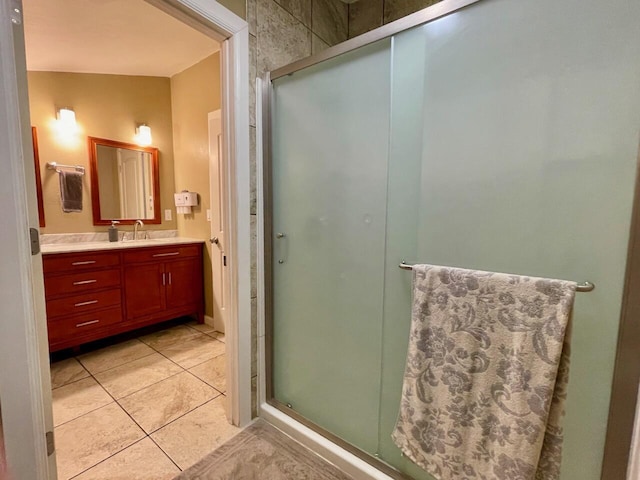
[152,241]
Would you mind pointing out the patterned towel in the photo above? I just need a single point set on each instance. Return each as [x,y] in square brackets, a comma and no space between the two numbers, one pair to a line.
[486,376]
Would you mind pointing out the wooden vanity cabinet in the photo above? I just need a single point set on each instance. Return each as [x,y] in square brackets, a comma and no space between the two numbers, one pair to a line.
[92,295]
[167,280]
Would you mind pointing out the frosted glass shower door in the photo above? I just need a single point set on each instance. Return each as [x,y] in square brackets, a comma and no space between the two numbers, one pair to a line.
[329,163]
[501,137]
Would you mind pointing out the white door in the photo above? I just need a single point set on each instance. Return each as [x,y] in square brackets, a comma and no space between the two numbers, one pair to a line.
[25,385]
[131,173]
[218,222]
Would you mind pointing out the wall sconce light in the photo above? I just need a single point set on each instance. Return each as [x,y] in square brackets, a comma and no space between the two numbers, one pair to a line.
[143,135]
[67,120]
[65,127]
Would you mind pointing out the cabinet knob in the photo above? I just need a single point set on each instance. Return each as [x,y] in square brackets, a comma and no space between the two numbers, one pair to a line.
[214,240]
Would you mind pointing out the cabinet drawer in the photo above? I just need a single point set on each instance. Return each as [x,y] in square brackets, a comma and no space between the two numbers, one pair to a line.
[85,302]
[140,255]
[81,282]
[68,327]
[75,262]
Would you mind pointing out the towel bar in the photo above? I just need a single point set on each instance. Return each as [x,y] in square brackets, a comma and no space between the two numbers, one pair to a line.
[57,166]
[582,287]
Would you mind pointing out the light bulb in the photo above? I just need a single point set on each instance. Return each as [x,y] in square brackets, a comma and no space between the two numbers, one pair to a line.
[143,135]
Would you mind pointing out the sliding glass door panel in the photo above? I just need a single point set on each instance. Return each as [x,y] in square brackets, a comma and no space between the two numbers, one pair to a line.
[330,150]
[529,143]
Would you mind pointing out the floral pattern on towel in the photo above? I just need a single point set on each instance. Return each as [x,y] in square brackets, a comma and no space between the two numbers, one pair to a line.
[486,375]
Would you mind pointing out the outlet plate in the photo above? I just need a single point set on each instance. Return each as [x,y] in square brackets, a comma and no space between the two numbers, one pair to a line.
[167,214]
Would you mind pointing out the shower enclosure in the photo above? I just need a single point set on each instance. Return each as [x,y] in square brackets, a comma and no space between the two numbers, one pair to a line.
[498,135]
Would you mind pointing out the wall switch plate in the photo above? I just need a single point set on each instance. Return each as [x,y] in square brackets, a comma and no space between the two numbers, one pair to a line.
[167,214]
[208,215]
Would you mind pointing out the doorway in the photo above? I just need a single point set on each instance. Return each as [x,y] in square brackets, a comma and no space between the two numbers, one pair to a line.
[26,408]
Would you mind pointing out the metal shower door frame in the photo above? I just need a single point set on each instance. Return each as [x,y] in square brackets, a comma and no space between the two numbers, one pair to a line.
[626,378]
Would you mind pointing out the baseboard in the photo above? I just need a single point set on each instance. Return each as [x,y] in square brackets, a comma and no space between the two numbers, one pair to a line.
[218,325]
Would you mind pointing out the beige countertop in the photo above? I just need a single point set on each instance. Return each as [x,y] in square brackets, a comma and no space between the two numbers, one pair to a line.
[50,248]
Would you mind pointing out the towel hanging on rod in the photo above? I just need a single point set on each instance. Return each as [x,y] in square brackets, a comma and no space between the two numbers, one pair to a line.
[582,287]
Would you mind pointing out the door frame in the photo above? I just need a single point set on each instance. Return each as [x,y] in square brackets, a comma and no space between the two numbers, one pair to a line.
[217,187]
[621,458]
[26,394]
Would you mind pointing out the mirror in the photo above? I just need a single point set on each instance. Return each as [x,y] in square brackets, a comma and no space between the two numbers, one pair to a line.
[125,184]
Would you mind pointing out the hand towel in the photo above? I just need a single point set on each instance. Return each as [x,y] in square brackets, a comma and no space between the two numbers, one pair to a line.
[71,191]
[486,375]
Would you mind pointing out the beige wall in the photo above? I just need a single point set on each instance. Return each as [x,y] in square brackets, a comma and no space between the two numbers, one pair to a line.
[106,106]
[194,93]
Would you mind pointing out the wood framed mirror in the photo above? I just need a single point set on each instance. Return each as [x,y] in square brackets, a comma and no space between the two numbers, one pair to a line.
[125,182]
[36,159]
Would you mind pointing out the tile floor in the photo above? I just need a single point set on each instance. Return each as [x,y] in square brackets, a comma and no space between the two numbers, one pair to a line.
[141,409]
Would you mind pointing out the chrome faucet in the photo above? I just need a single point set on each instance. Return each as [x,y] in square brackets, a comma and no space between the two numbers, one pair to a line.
[139,223]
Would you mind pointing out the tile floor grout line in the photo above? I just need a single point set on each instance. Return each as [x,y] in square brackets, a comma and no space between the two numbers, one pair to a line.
[158,351]
[207,333]
[177,342]
[173,374]
[212,386]
[86,413]
[207,360]
[194,328]
[146,386]
[185,413]
[70,383]
[199,379]
[165,453]
[178,418]
[122,364]
[110,456]
[121,407]
[115,400]
[191,410]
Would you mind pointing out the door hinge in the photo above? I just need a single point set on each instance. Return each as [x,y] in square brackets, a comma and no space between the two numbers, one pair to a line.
[16,12]
[224,260]
[51,444]
[34,237]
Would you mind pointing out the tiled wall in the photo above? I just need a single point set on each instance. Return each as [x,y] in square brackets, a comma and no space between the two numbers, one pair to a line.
[365,15]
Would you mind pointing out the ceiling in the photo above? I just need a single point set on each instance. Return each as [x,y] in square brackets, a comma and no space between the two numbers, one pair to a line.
[124,37]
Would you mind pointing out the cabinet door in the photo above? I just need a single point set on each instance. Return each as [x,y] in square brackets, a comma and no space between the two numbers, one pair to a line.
[184,282]
[144,289]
